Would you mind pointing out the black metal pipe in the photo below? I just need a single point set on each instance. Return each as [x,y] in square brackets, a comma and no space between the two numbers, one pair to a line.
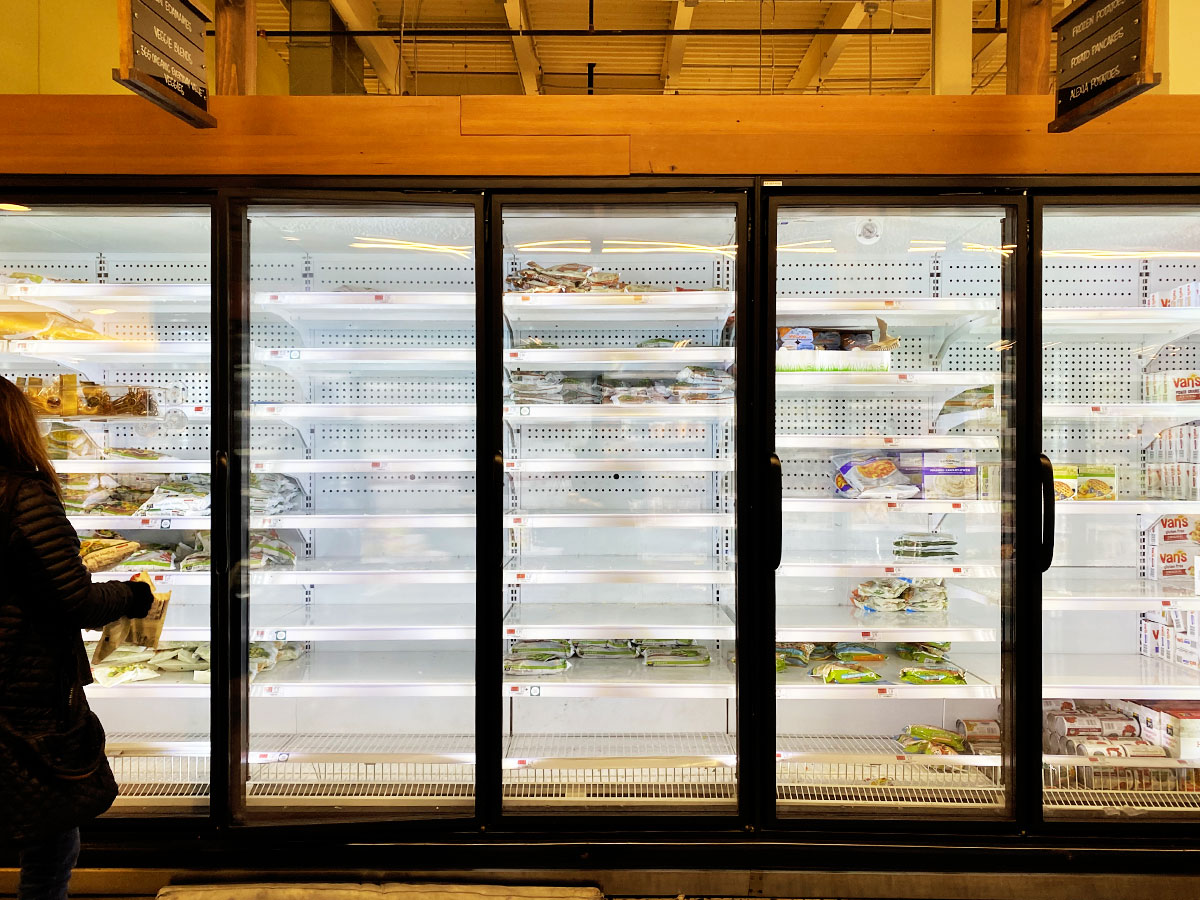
[607,32]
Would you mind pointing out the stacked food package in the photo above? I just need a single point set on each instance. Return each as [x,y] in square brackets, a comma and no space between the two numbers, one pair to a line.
[799,348]
[66,396]
[883,475]
[1173,463]
[572,278]
[108,551]
[1169,548]
[1122,729]
[541,657]
[857,663]
[1171,635]
[900,595]
[131,663]
[1181,295]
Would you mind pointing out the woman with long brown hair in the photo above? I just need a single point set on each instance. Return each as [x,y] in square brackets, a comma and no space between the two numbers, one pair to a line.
[53,772]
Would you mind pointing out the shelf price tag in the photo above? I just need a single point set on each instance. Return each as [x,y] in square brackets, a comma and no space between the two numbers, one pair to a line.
[268,758]
[524,690]
[885,692]
[868,635]
[892,570]
[272,690]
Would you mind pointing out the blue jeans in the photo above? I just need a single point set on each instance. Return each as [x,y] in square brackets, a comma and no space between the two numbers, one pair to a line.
[46,866]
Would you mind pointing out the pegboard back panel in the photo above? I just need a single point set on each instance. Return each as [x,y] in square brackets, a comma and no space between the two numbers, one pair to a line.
[274,386]
[860,278]
[975,354]
[363,273]
[393,441]
[277,272]
[983,279]
[355,335]
[151,328]
[1162,275]
[1068,283]
[150,435]
[71,266]
[1091,372]
[191,268]
[181,386]
[898,415]
[353,493]
[627,440]
[396,389]
[616,492]
[276,442]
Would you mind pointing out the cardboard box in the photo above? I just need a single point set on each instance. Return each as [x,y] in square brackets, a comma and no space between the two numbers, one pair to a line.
[950,476]
[1066,481]
[990,481]
[1173,530]
[1096,482]
[1171,562]
[1177,729]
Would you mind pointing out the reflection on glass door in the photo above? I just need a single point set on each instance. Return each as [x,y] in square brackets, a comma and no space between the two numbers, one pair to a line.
[893,386]
[1121,428]
[619,377]
[362,510]
[104,323]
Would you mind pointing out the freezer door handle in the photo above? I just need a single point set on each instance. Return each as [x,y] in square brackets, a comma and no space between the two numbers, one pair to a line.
[1047,512]
[775,503]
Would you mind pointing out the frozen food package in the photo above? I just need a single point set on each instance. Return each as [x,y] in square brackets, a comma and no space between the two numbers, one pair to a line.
[919,653]
[604,649]
[794,337]
[920,746]
[561,649]
[933,674]
[678,656]
[147,631]
[111,676]
[267,548]
[1096,482]
[925,545]
[1066,479]
[535,664]
[870,476]
[845,673]
[45,326]
[103,551]
[849,652]
[926,594]
[65,441]
[934,733]
[150,557]
[950,476]
[974,729]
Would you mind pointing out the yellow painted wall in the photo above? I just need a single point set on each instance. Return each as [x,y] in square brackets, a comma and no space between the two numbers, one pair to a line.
[1175,48]
[70,47]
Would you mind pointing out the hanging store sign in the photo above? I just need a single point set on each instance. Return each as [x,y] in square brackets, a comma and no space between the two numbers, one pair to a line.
[162,56]
[1105,57]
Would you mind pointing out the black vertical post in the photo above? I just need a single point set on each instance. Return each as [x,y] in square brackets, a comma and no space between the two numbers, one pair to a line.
[489,556]
[229,524]
[591,78]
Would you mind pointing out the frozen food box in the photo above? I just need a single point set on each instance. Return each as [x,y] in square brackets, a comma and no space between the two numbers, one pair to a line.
[1173,530]
[1095,482]
[1180,386]
[989,481]
[912,464]
[1170,562]
[1177,730]
[794,337]
[950,476]
[1066,479]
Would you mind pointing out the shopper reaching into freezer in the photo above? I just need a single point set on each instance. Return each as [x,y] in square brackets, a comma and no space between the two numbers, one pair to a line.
[53,772]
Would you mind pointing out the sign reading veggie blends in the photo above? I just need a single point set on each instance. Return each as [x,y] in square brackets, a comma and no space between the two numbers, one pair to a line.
[1105,56]
[162,56]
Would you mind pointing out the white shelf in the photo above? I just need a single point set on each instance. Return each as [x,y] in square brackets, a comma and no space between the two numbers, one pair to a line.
[618,620]
[437,360]
[619,570]
[889,568]
[68,352]
[112,293]
[583,412]
[619,520]
[363,520]
[915,382]
[672,307]
[142,523]
[1094,676]
[872,507]
[886,442]
[982,675]
[1105,319]
[873,750]
[358,466]
[370,674]
[167,579]
[173,685]
[340,305]
[459,412]
[1124,507]
[121,466]
[1182,411]
[568,465]
[845,623]
[630,678]
[908,311]
[183,416]
[612,362]
[1112,589]
[327,570]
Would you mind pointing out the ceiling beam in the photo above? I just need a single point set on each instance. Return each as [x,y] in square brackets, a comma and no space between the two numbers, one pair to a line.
[681,21]
[383,53]
[528,65]
[824,50]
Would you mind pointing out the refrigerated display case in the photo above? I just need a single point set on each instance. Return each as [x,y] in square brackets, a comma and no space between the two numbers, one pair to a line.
[891,344]
[361,473]
[619,479]
[105,324]
[1120,683]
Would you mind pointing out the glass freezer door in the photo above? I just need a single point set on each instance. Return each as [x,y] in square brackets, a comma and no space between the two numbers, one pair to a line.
[361,496]
[104,323]
[893,401]
[619,376]
[1121,435]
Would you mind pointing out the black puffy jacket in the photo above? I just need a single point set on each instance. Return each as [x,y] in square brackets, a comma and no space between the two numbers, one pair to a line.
[46,598]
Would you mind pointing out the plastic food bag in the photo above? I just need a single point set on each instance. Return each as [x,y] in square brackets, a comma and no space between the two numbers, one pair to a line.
[535,664]
[111,676]
[858,653]
[561,649]
[932,674]
[919,653]
[870,477]
[845,673]
[934,733]
[679,656]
